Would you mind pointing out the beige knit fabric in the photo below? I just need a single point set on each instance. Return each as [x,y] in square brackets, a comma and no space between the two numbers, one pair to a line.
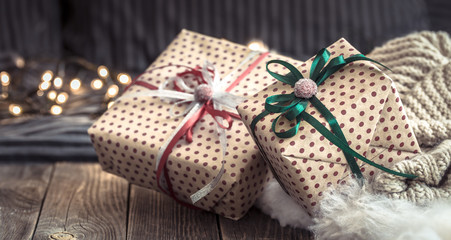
[421,69]
[433,182]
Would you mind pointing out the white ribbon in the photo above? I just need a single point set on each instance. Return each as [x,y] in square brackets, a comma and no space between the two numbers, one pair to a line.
[221,99]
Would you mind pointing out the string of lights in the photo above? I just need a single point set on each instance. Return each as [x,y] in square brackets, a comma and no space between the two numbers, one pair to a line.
[55,88]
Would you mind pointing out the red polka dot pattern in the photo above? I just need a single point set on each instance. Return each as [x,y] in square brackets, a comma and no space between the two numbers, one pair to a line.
[128,136]
[367,106]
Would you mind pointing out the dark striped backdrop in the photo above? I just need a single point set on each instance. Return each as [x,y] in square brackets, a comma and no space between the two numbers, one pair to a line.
[439,12]
[31,28]
[130,34]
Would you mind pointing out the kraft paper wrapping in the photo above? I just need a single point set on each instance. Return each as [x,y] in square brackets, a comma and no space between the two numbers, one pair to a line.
[367,106]
[127,136]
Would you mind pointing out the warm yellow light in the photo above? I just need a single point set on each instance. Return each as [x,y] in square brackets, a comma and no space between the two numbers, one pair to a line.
[102,71]
[20,62]
[58,82]
[96,84]
[62,98]
[257,45]
[40,93]
[4,78]
[110,104]
[47,76]
[75,84]
[15,109]
[124,78]
[44,86]
[51,95]
[56,110]
[113,90]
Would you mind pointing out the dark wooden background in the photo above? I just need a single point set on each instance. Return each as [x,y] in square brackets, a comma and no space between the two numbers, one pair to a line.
[79,201]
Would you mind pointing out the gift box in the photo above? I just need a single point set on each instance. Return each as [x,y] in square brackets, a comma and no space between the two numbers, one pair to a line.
[144,136]
[367,110]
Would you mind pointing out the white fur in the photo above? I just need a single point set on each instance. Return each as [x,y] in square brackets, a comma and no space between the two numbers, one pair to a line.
[431,223]
[277,204]
[351,212]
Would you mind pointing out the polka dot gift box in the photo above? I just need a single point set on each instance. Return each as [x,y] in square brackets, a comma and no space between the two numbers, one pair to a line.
[314,133]
[176,130]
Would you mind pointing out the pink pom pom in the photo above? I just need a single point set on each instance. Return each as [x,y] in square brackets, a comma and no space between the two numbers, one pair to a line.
[203,93]
[305,88]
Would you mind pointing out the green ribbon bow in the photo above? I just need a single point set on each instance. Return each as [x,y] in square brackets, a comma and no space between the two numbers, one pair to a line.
[293,108]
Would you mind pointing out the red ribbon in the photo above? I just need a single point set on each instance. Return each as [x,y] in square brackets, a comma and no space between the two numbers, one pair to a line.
[187,129]
[188,132]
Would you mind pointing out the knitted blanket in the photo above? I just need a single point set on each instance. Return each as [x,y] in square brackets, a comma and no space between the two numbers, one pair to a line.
[421,70]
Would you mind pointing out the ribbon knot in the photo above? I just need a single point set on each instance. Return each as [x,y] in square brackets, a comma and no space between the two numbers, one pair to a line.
[305,88]
[218,116]
[292,106]
[203,93]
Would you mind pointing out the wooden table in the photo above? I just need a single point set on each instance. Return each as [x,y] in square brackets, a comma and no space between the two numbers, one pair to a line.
[79,201]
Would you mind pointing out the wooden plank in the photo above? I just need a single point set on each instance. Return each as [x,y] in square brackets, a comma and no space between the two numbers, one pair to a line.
[83,202]
[257,225]
[156,216]
[22,189]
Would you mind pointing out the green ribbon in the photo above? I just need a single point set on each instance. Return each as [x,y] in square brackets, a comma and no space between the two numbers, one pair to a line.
[293,108]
